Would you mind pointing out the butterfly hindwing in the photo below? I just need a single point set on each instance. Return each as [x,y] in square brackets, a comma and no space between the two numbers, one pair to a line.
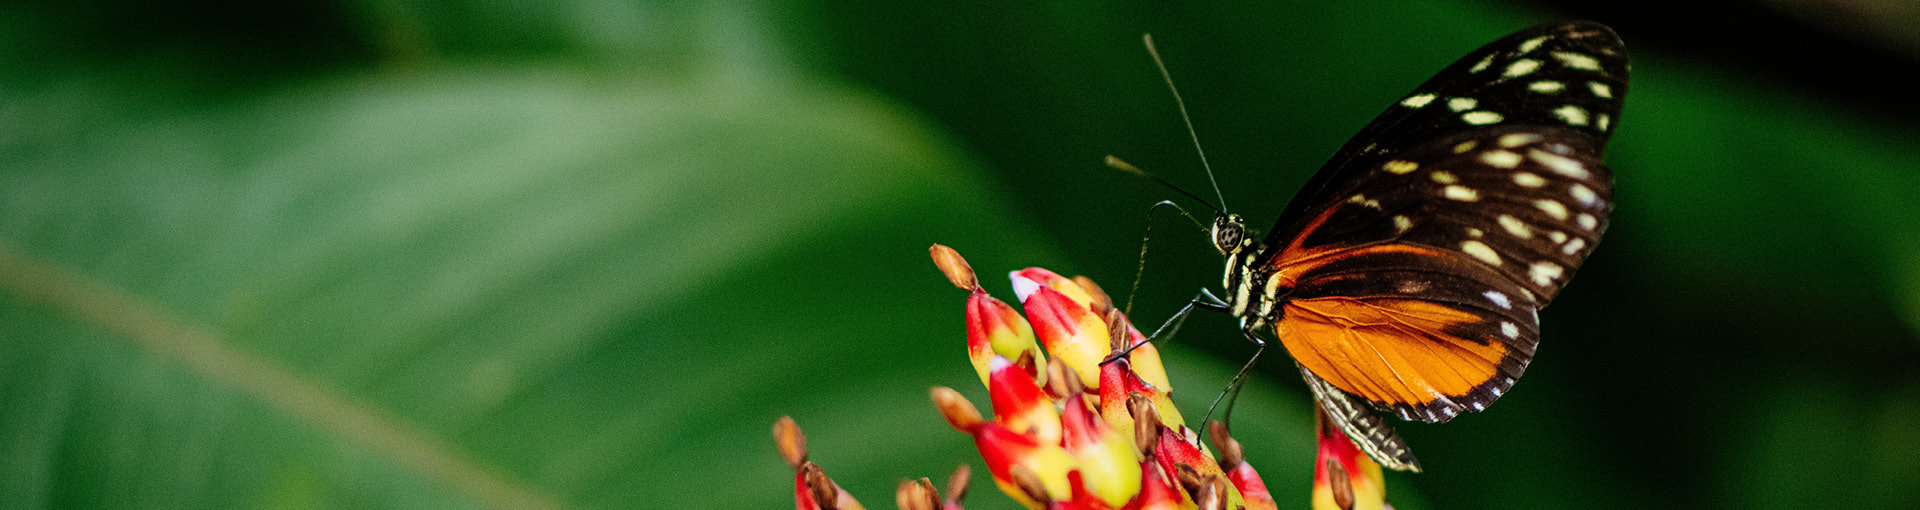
[1412,329]
[1409,271]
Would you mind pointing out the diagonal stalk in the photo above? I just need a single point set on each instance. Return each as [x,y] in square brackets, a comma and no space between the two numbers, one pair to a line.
[153,329]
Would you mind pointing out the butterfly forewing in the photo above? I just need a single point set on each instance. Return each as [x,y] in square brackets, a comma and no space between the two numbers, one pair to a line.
[1571,75]
[1409,271]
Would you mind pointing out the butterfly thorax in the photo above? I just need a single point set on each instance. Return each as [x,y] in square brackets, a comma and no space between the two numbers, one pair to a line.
[1252,291]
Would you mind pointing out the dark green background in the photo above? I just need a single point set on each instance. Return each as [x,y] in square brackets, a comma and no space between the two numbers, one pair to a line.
[598,247]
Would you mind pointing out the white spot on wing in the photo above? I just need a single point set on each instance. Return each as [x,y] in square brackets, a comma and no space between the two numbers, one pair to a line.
[1443,177]
[1587,221]
[1401,223]
[1475,233]
[1500,159]
[1461,104]
[1465,146]
[1603,122]
[1482,66]
[1512,140]
[1557,236]
[1480,250]
[1529,179]
[1417,101]
[1514,226]
[1574,246]
[1600,90]
[1509,329]
[1560,164]
[1532,44]
[1543,273]
[1481,118]
[1498,299]
[1577,60]
[1572,115]
[1520,68]
[1400,166]
[1583,194]
[1552,207]
[1461,193]
[1546,86]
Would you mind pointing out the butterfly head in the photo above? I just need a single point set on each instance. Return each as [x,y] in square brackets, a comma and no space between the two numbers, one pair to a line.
[1230,234]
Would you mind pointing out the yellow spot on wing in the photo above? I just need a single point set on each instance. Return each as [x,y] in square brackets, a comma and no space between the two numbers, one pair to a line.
[1521,67]
[1461,193]
[1501,159]
[1481,118]
[1480,250]
[1577,60]
[1553,208]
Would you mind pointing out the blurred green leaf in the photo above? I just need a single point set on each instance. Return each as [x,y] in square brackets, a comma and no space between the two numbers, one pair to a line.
[596,285]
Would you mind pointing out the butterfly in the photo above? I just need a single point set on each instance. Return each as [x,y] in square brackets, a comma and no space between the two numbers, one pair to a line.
[1406,276]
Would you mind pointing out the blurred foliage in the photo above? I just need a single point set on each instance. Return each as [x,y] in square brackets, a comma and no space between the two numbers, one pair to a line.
[591,249]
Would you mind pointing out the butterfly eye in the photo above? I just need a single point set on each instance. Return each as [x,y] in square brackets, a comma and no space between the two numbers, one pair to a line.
[1228,232]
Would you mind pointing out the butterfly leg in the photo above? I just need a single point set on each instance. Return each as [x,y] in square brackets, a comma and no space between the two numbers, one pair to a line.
[1205,301]
[1232,393]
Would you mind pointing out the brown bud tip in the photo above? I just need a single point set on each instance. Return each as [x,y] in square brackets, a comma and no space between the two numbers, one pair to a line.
[1188,477]
[1146,422]
[791,443]
[954,267]
[916,495]
[821,487]
[1213,495]
[1099,296]
[1341,485]
[956,409]
[1028,482]
[1231,454]
[1145,439]
[1118,338]
[1062,382]
[957,484]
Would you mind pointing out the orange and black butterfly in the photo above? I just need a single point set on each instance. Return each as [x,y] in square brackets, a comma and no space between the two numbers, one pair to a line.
[1406,276]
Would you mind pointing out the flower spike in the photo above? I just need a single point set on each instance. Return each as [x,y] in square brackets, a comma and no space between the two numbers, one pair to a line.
[1087,423]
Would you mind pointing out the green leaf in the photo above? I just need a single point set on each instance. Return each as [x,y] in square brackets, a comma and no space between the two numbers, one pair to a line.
[494,288]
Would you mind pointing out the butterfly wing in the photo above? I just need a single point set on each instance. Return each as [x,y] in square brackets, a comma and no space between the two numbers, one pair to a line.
[1410,269]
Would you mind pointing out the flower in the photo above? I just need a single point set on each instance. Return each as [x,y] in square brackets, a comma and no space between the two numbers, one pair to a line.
[1343,477]
[1086,423]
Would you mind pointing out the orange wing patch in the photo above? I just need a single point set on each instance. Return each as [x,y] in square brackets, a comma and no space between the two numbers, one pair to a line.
[1395,352]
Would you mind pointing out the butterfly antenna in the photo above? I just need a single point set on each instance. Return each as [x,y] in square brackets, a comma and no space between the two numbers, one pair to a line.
[1155,52]
[1123,166]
